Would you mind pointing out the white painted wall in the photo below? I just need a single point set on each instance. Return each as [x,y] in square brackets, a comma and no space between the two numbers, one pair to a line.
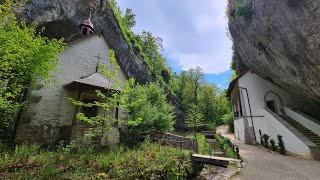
[239,129]
[257,89]
[272,127]
[306,121]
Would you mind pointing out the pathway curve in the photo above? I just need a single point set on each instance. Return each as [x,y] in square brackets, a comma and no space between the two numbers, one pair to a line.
[261,164]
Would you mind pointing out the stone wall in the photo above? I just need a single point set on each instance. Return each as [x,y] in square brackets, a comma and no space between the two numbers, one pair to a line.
[175,140]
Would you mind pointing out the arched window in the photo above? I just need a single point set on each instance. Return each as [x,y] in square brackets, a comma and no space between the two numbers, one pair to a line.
[273,101]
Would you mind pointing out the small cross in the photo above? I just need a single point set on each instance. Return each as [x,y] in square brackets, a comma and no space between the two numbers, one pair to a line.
[99,58]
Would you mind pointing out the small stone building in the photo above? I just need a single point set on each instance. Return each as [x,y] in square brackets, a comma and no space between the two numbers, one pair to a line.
[49,118]
[261,107]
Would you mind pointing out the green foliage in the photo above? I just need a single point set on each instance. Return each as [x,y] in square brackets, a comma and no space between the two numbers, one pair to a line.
[225,144]
[148,161]
[242,10]
[149,110]
[265,141]
[281,145]
[24,56]
[114,97]
[190,88]
[194,118]
[273,144]
[203,146]
[228,120]
[129,18]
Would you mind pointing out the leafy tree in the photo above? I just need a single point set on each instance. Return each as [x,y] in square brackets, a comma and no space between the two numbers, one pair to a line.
[194,80]
[115,97]
[228,120]
[149,110]
[129,19]
[24,56]
[194,118]
[207,102]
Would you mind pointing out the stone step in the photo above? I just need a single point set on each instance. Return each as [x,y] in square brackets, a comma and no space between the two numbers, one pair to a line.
[305,131]
[310,135]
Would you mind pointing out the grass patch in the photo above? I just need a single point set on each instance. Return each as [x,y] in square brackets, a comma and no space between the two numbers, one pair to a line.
[203,146]
[225,144]
[148,161]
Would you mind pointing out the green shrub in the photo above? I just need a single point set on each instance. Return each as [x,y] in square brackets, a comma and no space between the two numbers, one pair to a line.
[242,10]
[281,145]
[146,161]
[149,111]
[228,120]
[265,141]
[203,146]
[273,145]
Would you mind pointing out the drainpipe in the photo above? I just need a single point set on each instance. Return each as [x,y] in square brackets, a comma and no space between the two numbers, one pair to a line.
[248,98]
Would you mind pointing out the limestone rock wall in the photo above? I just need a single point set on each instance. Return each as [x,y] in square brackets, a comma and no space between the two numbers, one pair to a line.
[281,43]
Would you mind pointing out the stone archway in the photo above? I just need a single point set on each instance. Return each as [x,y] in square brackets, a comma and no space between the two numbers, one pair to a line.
[273,101]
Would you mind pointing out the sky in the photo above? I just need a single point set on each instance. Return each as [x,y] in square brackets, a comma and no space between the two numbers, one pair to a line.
[194,34]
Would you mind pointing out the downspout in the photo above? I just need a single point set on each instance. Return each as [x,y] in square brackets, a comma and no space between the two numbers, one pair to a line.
[248,98]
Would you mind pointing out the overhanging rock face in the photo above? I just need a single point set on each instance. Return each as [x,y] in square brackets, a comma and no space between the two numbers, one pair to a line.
[281,43]
[61,19]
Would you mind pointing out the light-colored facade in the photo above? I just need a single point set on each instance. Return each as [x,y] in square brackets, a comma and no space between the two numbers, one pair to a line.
[49,117]
[260,107]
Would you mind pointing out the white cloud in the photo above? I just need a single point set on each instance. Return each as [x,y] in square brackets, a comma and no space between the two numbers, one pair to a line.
[194,32]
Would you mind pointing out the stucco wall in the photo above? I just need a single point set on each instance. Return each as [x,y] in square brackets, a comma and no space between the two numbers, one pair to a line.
[48,107]
[259,90]
[239,129]
[273,127]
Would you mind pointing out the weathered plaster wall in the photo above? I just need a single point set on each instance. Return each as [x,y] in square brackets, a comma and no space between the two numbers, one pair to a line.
[257,90]
[239,129]
[48,108]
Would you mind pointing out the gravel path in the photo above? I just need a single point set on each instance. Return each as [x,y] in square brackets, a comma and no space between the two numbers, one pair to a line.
[261,164]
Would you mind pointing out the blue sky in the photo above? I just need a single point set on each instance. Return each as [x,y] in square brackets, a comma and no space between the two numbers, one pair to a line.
[194,33]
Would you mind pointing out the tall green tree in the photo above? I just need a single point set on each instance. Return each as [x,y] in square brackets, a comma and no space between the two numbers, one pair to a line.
[207,102]
[194,118]
[24,56]
[149,110]
[193,81]
[129,19]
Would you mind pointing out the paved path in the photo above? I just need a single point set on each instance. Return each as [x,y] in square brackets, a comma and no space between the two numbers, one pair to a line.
[261,164]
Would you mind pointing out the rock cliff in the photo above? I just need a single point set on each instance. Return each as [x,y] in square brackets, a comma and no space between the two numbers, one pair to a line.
[280,41]
[61,19]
